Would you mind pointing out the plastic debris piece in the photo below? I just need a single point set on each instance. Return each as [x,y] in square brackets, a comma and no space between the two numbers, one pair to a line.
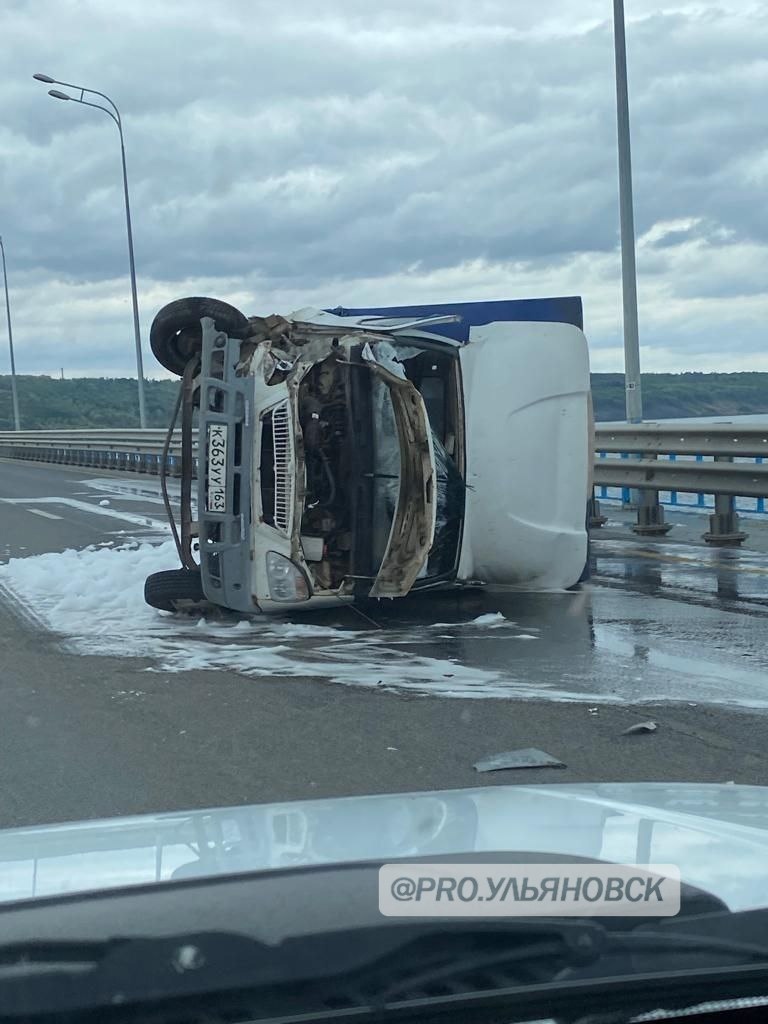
[592,711]
[104,503]
[529,757]
[640,727]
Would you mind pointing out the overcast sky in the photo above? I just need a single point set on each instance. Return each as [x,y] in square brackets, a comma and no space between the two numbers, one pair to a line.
[282,154]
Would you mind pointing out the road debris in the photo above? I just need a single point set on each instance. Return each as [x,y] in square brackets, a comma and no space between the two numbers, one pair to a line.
[529,757]
[640,727]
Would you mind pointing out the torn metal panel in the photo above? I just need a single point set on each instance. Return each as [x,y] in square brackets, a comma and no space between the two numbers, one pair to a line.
[413,526]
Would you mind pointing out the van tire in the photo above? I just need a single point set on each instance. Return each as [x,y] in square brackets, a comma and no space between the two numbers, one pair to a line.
[176,336]
[173,588]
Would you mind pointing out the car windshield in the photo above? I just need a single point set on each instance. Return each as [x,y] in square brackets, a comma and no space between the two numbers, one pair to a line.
[383,482]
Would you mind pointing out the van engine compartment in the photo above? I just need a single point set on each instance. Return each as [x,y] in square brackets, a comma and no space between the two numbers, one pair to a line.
[327,536]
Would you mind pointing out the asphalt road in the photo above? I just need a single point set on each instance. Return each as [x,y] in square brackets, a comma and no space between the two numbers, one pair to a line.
[49,508]
[670,632]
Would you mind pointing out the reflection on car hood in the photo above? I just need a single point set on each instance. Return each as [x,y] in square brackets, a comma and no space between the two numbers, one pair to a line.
[716,834]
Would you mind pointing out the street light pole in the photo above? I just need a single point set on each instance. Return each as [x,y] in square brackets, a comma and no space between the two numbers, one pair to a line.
[634,397]
[134,297]
[650,513]
[14,394]
[114,113]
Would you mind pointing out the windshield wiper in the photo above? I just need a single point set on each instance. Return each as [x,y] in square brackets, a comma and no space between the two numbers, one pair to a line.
[444,965]
[48,953]
[571,947]
[42,977]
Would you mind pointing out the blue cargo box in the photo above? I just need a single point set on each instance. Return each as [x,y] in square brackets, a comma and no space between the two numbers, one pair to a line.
[567,310]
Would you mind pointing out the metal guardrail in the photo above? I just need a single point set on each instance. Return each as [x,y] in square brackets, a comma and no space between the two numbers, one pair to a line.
[745,479]
[140,440]
[684,439]
[626,456]
[130,450]
[722,441]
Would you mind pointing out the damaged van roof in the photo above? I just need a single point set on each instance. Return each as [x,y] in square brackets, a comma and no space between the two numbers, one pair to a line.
[563,309]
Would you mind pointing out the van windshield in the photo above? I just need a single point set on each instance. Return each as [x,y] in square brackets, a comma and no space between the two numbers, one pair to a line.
[386,466]
[450,512]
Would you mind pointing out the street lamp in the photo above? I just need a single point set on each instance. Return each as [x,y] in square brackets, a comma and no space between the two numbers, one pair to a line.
[634,398]
[114,113]
[14,395]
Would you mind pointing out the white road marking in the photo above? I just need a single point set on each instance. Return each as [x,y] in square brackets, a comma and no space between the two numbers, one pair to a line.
[147,489]
[47,515]
[150,499]
[97,510]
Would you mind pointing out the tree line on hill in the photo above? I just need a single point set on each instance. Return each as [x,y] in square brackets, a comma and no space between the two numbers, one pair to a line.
[47,403]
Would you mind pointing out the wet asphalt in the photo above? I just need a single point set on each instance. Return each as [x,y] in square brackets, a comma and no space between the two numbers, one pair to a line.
[668,631]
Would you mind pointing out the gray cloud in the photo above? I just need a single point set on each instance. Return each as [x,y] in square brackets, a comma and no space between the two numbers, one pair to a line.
[278,151]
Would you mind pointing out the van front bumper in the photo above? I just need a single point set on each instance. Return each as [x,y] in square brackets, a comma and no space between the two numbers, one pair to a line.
[226,401]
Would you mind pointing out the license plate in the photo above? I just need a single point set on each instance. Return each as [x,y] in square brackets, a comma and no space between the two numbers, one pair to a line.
[217,467]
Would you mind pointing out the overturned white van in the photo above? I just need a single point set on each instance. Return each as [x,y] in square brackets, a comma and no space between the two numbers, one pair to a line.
[377,452]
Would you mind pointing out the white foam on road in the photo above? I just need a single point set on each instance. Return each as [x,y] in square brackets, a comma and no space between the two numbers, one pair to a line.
[94,600]
[492,619]
[94,596]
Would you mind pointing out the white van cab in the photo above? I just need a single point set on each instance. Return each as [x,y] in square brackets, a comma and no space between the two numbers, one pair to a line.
[377,452]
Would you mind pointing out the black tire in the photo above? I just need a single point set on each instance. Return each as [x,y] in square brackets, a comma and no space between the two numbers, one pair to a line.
[172,588]
[175,336]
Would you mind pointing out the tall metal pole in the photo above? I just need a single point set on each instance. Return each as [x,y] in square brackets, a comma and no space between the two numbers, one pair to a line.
[114,113]
[634,397]
[136,328]
[14,394]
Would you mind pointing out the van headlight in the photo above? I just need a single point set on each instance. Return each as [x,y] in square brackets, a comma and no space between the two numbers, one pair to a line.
[286,581]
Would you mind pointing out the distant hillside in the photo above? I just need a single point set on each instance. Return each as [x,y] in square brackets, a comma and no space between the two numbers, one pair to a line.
[49,403]
[46,403]
[667,395]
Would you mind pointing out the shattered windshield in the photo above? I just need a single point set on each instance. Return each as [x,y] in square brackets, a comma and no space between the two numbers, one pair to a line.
[450,511]
[386,466]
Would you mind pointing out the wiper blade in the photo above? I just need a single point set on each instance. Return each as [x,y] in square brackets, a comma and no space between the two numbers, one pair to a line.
[40,977]
[382,968]
[578,946]
[61,953]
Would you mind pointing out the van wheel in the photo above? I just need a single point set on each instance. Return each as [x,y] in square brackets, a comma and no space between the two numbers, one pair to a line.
[172,590]
[176,335]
